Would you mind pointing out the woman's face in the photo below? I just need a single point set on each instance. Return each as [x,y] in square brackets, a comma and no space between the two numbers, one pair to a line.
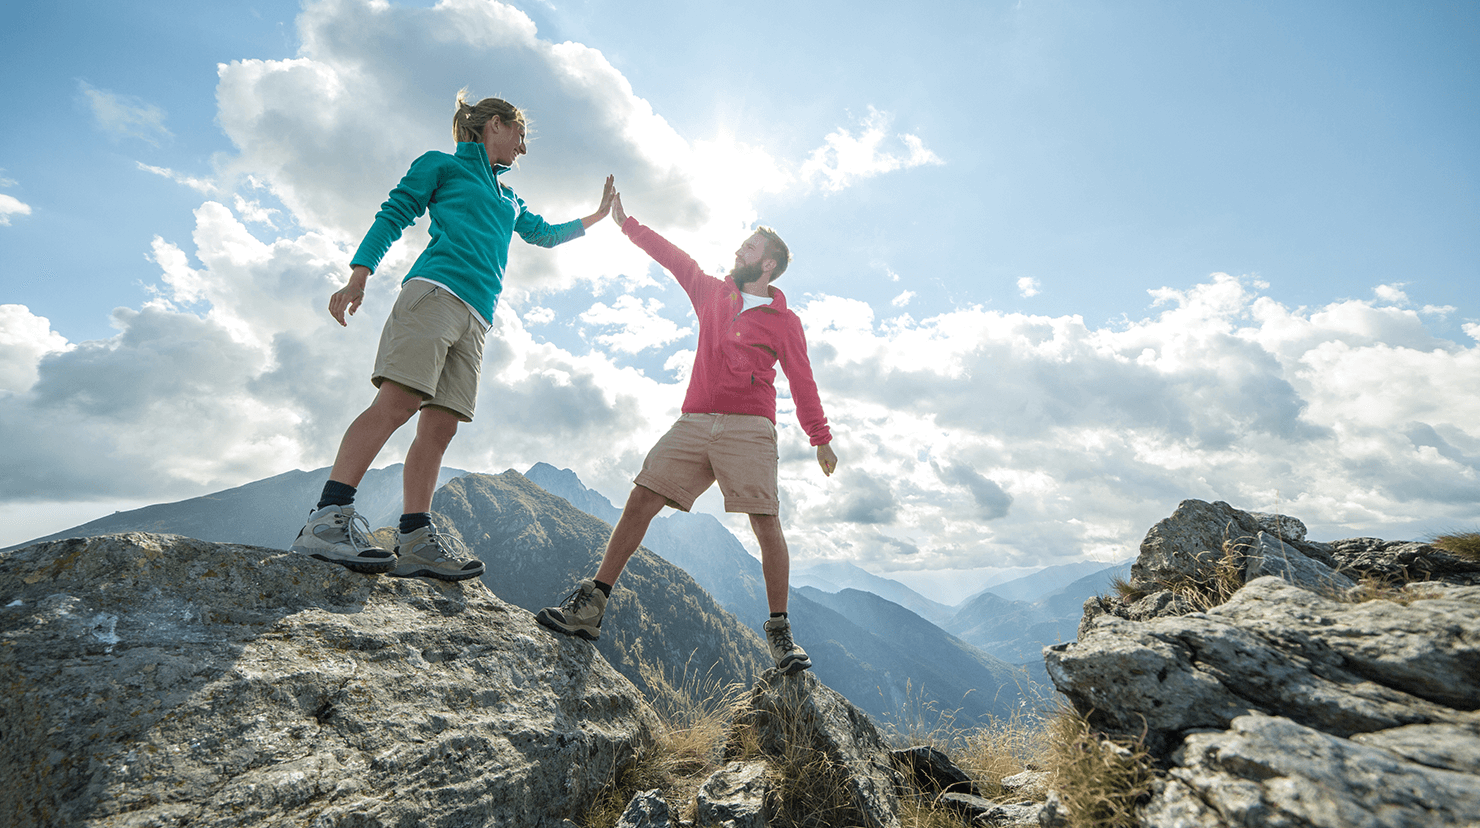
[503,141]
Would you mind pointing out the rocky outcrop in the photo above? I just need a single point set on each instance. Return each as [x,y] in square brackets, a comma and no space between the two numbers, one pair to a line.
[1305,698]
[159,680]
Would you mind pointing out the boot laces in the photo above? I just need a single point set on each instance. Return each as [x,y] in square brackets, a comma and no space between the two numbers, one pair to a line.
[576,600]
[446,546]
[357,527]
[781,638]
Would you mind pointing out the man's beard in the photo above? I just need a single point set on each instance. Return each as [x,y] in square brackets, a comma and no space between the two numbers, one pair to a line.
[746,273]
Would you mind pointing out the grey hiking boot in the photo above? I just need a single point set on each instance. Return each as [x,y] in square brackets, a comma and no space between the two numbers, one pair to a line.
[427,553]
[789,657]
[337,535]
[579,614]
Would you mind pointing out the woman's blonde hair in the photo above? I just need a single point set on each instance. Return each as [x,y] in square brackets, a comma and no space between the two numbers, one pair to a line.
[469,119]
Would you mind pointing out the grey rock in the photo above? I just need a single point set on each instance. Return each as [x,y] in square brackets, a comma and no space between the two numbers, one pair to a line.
[1283,527]
[1403,561]
[160,680]
[1189,542]
[803,724]
[733,797]
[1276,648]
[970,807]
[1014,815]
[1028,784]
[647,809]
[1270,771]
[1053,813]
[1163,604]
[1270,556]
[931,770]
[1443,746]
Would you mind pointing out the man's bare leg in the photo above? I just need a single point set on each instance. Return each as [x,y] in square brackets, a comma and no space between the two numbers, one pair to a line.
[393,406]
[775,561]
[435,428]
[643,505]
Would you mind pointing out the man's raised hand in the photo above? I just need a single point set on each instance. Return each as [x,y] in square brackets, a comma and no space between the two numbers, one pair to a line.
[618,214]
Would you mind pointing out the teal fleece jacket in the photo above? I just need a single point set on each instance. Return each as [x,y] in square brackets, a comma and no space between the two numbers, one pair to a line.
[474,217]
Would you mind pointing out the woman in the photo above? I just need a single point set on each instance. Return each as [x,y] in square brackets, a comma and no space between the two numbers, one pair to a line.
[431,349]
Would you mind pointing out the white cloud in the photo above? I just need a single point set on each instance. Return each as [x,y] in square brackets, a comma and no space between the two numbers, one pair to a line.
[632,325]
[538,316]
[200,185]
[844,158]
[902,299]
[24,339]
[1392,294]
[1028,287]
[12,206]
[125,116]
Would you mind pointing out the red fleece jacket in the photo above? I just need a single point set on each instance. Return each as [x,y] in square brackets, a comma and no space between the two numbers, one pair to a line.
[735,366]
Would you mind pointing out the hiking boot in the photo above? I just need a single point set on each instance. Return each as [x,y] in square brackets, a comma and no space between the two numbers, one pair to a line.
[337,535]
[789,657]
[579,614]
[427,553]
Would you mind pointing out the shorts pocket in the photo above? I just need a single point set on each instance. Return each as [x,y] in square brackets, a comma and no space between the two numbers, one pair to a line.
[415,303]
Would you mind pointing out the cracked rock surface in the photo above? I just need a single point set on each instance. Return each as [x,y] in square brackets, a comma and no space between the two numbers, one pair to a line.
[1295,703]
[161,680]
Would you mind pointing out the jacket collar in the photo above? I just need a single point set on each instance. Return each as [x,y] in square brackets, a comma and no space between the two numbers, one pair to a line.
[778,299]
[475,151]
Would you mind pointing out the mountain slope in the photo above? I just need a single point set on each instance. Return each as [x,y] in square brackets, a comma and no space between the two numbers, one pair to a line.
[863,663]
[1031,588]
[266,512]
[843,575]
[537,546]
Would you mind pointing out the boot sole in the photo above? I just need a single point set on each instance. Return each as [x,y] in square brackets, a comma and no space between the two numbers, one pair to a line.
[794,666]
[432,573]
[358,566]
[551,624]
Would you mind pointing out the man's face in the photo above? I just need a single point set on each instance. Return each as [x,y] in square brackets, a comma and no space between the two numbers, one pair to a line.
[749,260]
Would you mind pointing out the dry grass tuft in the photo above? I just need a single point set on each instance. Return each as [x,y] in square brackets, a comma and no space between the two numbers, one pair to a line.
[1459,544]
[694,711]
[1101,782]
[1378,588]
[1219,576]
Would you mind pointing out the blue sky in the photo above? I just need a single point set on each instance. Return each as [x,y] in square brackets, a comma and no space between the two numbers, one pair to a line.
[1062,264]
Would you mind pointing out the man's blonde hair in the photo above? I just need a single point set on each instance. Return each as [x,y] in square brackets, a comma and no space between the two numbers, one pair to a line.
[775,249]
[469,119]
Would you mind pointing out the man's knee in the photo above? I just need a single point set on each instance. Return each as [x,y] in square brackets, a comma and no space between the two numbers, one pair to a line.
[397,401]
[438,423]
[645,502]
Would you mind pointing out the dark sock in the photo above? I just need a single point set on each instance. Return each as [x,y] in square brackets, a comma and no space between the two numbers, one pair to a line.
[779,615]
[606,589]
[336,494]
[411,521]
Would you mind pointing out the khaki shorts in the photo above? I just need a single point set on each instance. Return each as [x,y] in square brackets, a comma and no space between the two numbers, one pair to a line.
[738,450]
[433,345]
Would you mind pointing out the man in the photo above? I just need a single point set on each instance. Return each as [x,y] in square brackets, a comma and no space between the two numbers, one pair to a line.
[728,428]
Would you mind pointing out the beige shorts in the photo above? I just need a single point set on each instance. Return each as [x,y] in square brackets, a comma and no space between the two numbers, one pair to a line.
[433,345]
[738,450]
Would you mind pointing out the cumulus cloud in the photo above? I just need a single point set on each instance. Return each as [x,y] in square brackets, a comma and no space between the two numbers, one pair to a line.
[12,206]
[632,325]
[1352,416]
[24,339]
[125,116]
[1028,287]
[845,158]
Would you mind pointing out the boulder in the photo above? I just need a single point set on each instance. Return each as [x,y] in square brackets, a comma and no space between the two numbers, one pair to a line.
[1278,649]
[1267,770]
[733,797]
[1403,561]
[1270,556]
[932,771]
[646,809]
[830,756]
[160,680]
